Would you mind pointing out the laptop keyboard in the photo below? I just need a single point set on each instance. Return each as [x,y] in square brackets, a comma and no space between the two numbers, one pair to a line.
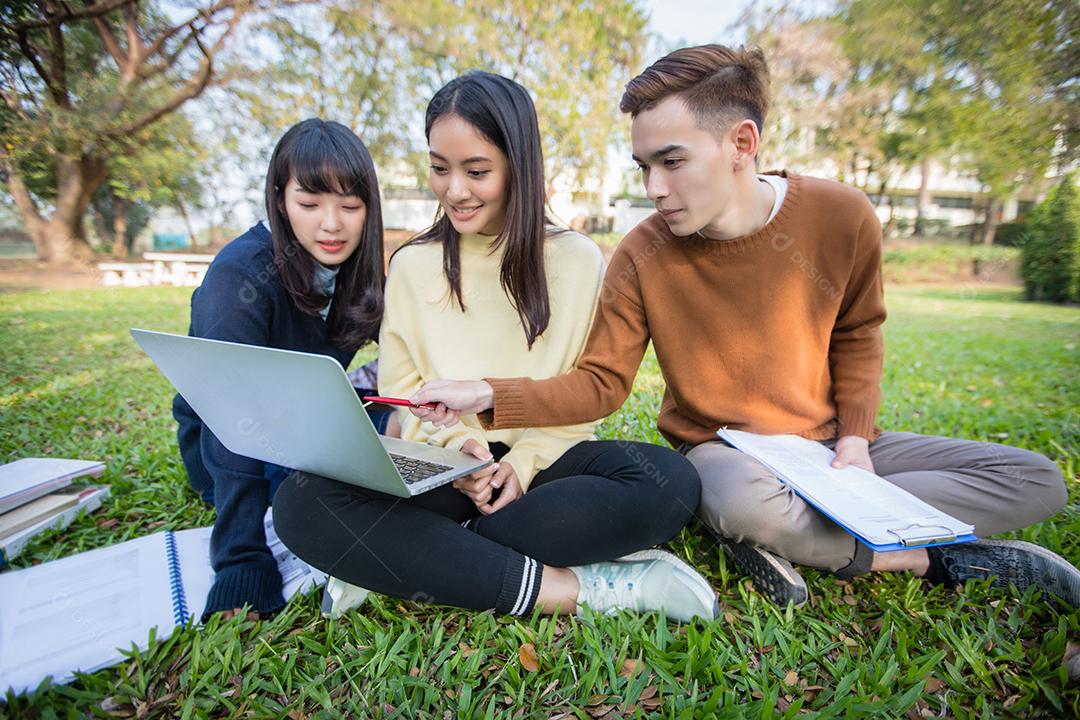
[413,470]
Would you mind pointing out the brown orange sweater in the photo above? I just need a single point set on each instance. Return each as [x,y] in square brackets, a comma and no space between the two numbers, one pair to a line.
[774,332]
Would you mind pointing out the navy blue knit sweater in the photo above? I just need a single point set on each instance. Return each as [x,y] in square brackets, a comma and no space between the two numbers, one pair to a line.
[242,300]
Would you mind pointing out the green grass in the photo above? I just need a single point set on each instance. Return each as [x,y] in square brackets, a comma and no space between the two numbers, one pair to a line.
[967,361]
[922,259]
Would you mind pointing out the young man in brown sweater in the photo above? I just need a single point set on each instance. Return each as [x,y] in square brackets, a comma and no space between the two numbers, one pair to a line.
[762,296]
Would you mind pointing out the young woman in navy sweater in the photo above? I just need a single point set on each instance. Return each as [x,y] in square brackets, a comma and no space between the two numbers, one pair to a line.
[311,280]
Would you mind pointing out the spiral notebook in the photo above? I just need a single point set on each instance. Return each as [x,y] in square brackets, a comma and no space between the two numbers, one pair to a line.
[77,613]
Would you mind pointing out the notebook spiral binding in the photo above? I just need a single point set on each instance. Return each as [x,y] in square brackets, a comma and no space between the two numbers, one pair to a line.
[176,580]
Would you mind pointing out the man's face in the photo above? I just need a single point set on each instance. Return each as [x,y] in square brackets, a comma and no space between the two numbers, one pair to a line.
[688,172]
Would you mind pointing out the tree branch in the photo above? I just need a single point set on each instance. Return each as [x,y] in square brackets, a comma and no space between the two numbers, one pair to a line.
[56,19]
[32,53]
[135,46]
[192,89]
[108,38]
[58,67]
[24,202]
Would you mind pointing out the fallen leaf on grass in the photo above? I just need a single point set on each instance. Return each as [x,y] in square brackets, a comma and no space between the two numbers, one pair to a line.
[1071,660]
[527,656]
[117,709]
[933,685]
[791,679]
[648,693]
[630,668]
[600,710]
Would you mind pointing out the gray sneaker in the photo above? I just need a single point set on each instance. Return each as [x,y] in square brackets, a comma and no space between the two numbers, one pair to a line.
[1015,562]
[772,575]
[339,597]
[647,580]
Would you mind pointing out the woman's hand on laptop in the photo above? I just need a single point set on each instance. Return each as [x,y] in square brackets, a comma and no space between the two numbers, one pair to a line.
[477,486]
[506,479]
[454,398]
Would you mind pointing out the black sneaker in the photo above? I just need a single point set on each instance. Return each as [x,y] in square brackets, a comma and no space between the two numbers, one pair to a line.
[772,575]
[1015,562]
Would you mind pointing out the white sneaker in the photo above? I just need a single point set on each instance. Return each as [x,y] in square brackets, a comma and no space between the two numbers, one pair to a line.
[647,580]
[340,597]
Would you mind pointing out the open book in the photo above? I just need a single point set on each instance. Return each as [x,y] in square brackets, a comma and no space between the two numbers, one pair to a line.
[879,514]
[79,612]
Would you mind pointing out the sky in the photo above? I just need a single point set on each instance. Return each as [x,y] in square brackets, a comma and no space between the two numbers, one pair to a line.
[695,21]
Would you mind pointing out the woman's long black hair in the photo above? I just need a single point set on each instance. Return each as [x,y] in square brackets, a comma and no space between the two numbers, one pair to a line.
[327,157]
[502,111]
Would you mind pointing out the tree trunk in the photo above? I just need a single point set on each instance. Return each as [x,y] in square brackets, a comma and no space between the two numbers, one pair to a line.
[100,225]
[60,239]
[989,226]
[182,209]
[120,244]
[923,197]
[62,245]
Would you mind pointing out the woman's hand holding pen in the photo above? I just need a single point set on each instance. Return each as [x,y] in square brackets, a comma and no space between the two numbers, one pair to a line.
[453,398]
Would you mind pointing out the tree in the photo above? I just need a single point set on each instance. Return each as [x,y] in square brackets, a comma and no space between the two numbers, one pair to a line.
[164,172]
[1050,260]
[574,57]
[84,86]
[989,83]
[374,67]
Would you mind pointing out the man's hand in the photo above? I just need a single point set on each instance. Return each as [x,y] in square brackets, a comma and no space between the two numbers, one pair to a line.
[477,486]
[453,399]
[507,479]
[853,450]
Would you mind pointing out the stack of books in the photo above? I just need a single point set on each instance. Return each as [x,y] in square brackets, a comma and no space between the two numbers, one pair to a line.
[38,494]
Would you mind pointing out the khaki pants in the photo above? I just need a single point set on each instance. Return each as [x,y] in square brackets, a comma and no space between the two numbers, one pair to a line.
[996,488]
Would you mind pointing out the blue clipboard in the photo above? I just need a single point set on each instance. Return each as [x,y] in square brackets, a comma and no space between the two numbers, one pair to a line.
[907,537]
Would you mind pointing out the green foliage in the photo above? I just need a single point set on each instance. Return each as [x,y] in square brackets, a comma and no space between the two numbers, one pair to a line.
[944,78]
[1050,263]
[374,67]
[1011,234]
[75,385]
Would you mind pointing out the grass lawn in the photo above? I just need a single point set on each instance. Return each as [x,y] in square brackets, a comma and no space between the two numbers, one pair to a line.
[967,361]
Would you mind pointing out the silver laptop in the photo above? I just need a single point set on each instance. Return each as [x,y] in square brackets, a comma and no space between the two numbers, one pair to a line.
[297,410]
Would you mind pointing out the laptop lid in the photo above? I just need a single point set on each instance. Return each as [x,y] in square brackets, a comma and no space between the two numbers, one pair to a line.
[293,409]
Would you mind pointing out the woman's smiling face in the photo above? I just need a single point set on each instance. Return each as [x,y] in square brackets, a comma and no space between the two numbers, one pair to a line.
[469,175]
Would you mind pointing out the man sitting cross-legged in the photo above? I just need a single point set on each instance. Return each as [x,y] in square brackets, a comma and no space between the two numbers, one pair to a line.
[762,296]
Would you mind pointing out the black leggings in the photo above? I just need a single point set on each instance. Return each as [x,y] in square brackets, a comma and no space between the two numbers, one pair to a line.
[599,501]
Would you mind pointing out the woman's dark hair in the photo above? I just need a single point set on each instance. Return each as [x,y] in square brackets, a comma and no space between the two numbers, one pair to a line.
[502,111]
[327,157]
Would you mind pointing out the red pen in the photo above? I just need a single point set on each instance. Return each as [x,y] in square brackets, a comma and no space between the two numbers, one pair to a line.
[395,401]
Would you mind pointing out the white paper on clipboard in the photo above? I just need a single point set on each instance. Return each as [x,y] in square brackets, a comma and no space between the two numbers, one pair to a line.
[883,515]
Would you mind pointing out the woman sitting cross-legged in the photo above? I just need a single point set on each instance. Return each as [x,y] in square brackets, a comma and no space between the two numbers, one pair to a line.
[560,521]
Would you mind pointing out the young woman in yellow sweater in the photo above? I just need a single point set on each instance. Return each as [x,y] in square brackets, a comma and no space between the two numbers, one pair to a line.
[560,521]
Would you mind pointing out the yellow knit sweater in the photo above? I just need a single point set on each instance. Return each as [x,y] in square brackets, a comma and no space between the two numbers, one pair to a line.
[426,336]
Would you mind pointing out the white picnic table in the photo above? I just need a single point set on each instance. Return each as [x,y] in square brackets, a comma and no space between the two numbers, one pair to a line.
[158,268]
